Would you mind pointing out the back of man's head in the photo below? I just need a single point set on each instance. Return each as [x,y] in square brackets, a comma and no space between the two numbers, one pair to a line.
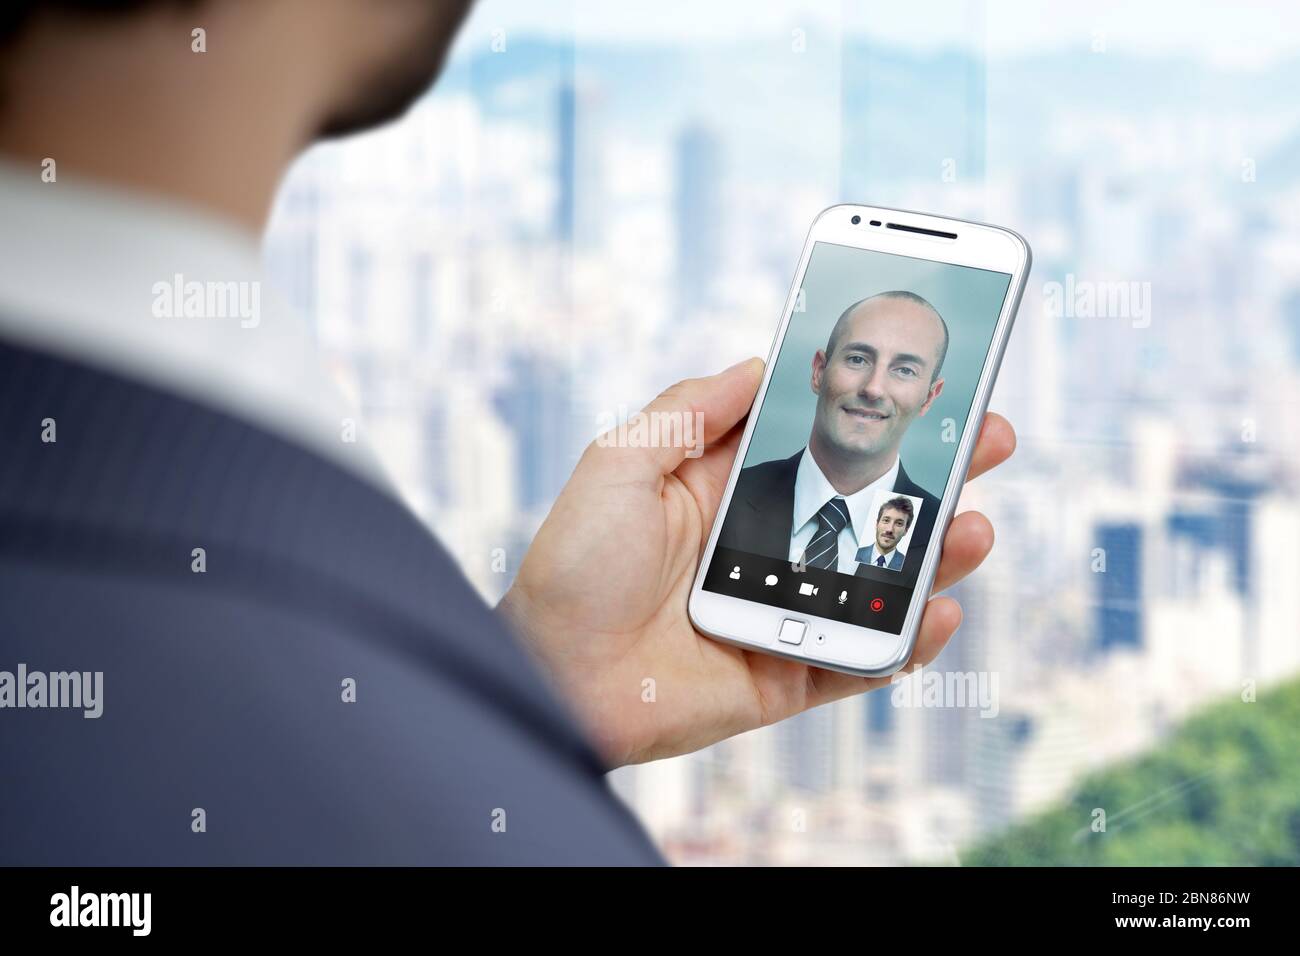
[208,100]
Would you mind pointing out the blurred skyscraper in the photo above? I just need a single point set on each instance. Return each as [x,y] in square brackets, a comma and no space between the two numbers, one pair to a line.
[534,403]
[579,208]
[699,216]
[1119,586]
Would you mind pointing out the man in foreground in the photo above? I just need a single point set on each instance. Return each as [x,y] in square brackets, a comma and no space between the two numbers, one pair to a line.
[293,669]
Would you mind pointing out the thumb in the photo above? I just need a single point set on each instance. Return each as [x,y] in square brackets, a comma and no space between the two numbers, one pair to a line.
[688,416]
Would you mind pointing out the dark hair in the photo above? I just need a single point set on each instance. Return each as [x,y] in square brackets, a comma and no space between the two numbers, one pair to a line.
[16,15]
[893,294]
[898,504]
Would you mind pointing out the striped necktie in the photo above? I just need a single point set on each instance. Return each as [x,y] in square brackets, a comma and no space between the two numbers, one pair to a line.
[823,550]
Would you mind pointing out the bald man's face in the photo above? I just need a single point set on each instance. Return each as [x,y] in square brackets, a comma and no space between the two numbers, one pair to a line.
[879,377]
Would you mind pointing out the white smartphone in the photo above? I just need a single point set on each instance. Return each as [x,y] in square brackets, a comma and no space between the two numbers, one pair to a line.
[825,546]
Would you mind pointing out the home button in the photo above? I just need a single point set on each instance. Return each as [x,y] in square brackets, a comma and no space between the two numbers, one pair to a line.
[792,631]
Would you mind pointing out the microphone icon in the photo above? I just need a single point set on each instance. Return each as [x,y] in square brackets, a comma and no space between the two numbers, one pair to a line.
[844,597]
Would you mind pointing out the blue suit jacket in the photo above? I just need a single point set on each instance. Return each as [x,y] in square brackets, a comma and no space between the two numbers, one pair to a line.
[895,562]
[222,690]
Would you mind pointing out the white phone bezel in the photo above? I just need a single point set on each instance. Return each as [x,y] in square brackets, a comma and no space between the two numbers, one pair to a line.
[839,645]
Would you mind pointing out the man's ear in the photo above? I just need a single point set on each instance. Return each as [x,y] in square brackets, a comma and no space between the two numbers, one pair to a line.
[935,390]
[818,370]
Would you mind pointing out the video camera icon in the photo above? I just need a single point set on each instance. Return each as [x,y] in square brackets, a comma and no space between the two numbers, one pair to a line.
[807,589]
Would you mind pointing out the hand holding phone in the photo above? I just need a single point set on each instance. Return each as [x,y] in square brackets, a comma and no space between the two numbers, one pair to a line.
[601,596]
[828,538]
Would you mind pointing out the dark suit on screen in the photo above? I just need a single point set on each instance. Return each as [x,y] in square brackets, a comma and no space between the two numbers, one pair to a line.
[762,512]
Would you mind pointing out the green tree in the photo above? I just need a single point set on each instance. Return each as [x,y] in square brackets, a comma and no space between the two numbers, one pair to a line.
[1224,789]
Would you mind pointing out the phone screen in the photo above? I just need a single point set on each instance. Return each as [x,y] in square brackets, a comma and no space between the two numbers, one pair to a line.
[857,436]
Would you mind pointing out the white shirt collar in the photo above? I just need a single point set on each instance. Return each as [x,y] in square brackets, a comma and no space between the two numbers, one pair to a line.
[812,490]
[874,553]
[82,264]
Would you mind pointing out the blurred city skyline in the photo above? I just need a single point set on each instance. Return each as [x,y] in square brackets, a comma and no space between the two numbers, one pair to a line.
[571,221]
[1244,34]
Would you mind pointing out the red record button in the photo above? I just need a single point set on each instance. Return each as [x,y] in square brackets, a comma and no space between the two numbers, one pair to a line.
[877,604]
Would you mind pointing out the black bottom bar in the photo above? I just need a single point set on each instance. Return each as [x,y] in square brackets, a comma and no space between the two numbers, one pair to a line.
[974,906]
